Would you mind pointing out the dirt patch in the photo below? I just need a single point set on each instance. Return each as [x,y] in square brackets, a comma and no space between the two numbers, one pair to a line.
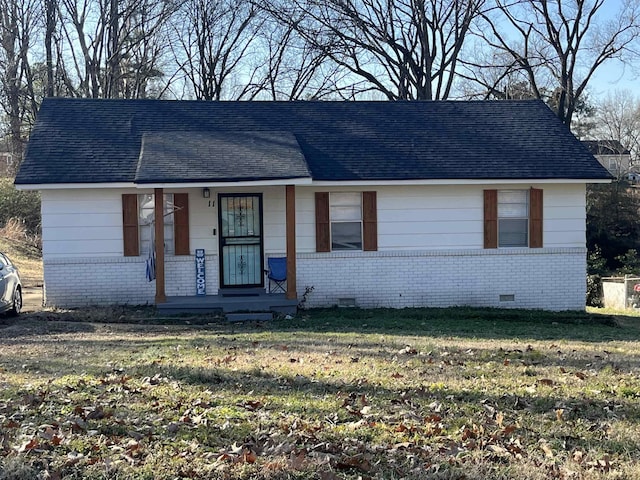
[31,299]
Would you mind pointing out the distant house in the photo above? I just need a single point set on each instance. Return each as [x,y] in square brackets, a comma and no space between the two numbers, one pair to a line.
[612,155]
[376,204]
[6,163]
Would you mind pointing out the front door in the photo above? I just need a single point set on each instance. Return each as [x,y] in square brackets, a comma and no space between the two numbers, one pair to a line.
[241,253]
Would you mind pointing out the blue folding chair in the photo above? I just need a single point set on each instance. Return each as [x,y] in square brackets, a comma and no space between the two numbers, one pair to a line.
[277,273]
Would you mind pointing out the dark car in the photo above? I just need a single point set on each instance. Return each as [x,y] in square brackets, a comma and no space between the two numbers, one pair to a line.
[10,287]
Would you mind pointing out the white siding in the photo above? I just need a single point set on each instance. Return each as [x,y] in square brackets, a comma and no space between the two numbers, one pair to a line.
[429,237]
[444,217]
[80,223]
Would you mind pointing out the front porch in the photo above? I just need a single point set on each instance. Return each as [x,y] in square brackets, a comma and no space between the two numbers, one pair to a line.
[254,300]
[240,256]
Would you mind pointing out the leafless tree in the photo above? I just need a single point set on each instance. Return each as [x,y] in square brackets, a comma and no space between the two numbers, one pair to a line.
[287,67]
[405,49]
[618,118]
[557,45]
[18,26]
[112,48]
[212,45]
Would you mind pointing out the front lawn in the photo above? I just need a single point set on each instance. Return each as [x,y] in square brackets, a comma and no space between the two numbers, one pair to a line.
[414,394]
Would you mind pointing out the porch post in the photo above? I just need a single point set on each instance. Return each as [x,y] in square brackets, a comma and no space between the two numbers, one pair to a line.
[158,194]
[291,241]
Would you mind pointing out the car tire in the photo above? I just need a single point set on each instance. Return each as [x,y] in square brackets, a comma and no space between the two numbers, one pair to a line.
[17,303]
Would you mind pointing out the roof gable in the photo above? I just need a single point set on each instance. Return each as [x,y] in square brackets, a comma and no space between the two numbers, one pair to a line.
[219,156]
[87,141]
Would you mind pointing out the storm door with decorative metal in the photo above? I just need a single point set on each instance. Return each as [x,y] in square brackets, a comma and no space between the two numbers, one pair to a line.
[241,240]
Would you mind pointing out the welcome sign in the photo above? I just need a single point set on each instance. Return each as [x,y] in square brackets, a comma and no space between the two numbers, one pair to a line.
[201,283]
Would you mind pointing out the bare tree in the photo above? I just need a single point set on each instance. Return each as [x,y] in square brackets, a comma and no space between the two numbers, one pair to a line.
[112,47]
[405,49]
[211,46]
[557,45]
[18,25]
[287,67]
[618,118]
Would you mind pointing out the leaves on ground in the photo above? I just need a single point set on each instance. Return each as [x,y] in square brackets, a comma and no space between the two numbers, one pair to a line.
[239,402]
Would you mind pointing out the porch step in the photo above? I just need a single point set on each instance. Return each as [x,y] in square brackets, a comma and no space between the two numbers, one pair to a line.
[264,303]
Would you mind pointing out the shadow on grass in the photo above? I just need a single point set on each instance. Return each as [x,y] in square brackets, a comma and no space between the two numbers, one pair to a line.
[463,322]
[583,425]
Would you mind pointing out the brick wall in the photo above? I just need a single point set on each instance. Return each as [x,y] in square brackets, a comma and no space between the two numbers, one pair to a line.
[548,278]
[74,282]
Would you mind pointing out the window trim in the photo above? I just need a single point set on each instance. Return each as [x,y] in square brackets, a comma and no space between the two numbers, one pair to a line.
[131,224]
[536,221]
[369,230]
[332,221]
[168,201]
[527,205]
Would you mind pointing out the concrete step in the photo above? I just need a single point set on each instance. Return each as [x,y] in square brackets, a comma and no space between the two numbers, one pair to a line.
[274,303]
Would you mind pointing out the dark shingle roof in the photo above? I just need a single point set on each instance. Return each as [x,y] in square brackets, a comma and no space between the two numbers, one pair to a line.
[219,156]
[88,141]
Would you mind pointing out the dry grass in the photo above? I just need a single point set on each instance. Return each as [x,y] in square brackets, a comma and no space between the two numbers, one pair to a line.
[24,251]
[409,394]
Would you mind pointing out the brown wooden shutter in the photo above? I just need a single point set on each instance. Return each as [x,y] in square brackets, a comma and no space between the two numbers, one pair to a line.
[535,218]
[181,223]
[369,222]
[323,231]
[130,224]
[490,219]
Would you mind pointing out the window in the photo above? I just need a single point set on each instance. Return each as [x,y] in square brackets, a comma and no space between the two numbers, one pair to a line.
[348,221]
[137,223]
[345,212]
[513,218]
[145,222]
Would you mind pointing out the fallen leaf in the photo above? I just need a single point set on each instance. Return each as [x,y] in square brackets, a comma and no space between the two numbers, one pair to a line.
[546,449]
[559,413]
[408,351]
[249,456]
[251,405]
[30,445]
[497,449]
[297,460]
[359,462]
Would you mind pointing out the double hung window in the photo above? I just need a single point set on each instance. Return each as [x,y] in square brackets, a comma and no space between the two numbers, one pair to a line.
[345,211]
[146,207]
[513,218]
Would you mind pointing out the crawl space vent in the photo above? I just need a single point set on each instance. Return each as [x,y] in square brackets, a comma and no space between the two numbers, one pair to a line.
[347,302]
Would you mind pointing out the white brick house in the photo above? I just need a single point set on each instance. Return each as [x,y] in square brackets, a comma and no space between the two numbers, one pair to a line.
[374,204]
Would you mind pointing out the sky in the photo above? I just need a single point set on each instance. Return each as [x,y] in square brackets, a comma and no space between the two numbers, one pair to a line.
[614,75]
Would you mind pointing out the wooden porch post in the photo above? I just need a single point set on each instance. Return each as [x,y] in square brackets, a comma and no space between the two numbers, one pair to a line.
[159,235]
[291,242]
